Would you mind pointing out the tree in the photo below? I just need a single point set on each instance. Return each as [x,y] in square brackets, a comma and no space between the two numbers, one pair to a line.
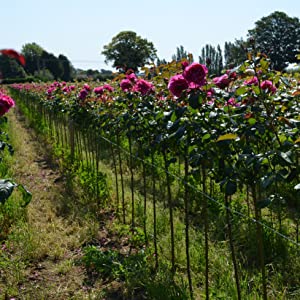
[32,53]
[67,68]
[127,50]
[213,58]
[160,62]
[235,53]
[278,36]
[53,64]
[10,68]
[180,54]
[44,75]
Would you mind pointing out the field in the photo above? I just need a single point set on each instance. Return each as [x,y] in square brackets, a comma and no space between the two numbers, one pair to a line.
[179,186]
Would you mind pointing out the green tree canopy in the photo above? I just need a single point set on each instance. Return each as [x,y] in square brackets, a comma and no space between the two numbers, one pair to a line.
[213,58]
[67,68]
[181,53]
[53,64]
[127,50]
[278,36]
[32,53]
[10,68]
[235,53]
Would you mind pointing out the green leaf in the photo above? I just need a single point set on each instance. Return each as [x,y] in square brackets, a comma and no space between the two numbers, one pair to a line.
[27,196]
[178,134]
[286,157]
[173,117]
[171,161]
[263,203]
[228,136]
[285,81]
[206,137]
[267,181]
[194,100]
[230,188]
[6,188]
[251,121]
[241,90]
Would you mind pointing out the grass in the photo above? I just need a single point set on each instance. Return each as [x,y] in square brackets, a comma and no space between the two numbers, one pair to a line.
[38,253]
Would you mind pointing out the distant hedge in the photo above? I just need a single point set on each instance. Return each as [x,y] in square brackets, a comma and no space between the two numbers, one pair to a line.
[19,80]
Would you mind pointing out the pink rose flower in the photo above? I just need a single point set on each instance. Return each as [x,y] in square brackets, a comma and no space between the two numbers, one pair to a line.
[99,90]
[222,81]
[210,93]
[5,103]
[184,64]
[126,85]
[108,87]
[132,77]
[252,81]
[268,85]
[86,87]
[232,102]
[196,73]
[177,85]
[193,85]
[50,90]
[83,94]
[231,74]
[143,86]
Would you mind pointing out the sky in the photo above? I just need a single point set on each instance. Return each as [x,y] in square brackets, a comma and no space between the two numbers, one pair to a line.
[79,29]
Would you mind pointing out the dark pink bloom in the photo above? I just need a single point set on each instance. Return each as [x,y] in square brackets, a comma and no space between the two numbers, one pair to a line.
[184,64]
[177,85]
[231,74]
[86,87]
[232,102]
[108,87]
[66,89]
[222,81]
[210,93]
[5,103]
[132,77]
[55,84]
[252,81]
[143,86]
[99,90]
[82,94]
[50,90]
[268,85]
[193,85]
[126,85]
[196,73]
[72,87]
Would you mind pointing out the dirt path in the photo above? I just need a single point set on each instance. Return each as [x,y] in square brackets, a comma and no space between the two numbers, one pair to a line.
[47,245]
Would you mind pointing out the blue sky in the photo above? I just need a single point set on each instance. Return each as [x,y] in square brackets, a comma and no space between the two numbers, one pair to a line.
[80,29]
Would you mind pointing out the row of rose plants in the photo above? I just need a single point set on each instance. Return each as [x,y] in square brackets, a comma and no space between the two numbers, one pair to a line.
[237,134]
[9,210]
[6,103]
